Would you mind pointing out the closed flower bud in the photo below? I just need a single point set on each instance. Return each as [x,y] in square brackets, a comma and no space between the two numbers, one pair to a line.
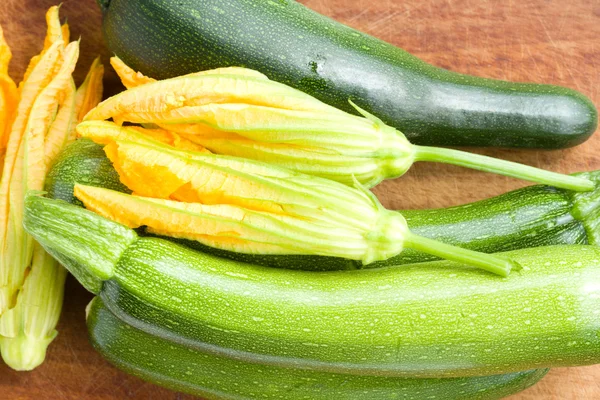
[251,207]
[239,112]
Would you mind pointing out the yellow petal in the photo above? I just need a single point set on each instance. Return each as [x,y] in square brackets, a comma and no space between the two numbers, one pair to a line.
[105,132]
[21,167]
[131,78]
[305,159]
[9,98]
[3,108]
[39,77]
[4,112]
[54,33]
[279,126]
[55,30]
[128,76]
[271,125]
[170,138]
[198,129]
[152,169]
[240,71]
[33,62]
[257,109]
[89,94]
[222,226]
[10,95]
[148,102]
[42,115]
[31,281]
[5,54]
[178,176]
[58,135]
[159,172]
[66,33]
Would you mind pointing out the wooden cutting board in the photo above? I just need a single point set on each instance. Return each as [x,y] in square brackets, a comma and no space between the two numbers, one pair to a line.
[550,41]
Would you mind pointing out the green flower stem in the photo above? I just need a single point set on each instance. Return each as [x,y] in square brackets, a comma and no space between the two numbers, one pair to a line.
[502,167]
[488,262]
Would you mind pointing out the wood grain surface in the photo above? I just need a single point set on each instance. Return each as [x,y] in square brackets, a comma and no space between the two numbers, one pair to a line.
[545,41]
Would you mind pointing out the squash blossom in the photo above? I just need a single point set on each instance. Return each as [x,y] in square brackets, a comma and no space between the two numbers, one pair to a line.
[40,122]
[9,97]
[239,112]
[250,207]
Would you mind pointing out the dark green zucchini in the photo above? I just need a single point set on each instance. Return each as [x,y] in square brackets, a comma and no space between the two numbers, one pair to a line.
[435,319]
[301,48]
[529,217]
[215,377]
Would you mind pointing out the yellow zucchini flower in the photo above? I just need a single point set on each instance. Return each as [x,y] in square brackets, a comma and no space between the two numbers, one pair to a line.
[250,207]
[36,122]
[239,112]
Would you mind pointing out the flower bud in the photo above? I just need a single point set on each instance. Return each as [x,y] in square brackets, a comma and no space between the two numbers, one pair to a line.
[244,115]
[250,207]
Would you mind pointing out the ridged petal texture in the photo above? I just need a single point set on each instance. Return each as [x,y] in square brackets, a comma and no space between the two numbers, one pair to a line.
[43,114]
[236,204]
[105,132]
[224,226]
[247,206]
[234,112]
[89,94]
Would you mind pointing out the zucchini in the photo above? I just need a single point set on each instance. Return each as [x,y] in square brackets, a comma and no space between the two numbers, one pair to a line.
[301,48]
[82,161]
[528,217]
[211,376]
[436,319]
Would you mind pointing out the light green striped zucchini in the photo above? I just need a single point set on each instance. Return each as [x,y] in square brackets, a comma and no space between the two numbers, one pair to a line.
[435,319]
[211,376]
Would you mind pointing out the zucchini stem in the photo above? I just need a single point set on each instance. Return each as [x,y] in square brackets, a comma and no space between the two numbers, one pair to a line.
[502,167]
[488,262]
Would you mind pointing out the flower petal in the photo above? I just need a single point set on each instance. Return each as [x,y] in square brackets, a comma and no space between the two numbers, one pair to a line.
[131,78]
[223,226]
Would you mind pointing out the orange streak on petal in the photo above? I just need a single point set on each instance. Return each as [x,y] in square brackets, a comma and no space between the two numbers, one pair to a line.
[129,77]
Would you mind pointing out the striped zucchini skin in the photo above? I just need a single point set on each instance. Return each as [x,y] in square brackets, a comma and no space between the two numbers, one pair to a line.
[420,320]
[434,319]
[529,217]
[296,46]
[212,376]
